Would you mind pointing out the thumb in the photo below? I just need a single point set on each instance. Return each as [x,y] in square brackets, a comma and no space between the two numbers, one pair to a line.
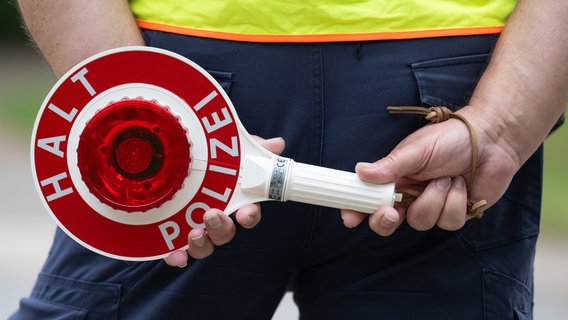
[382,171]
[275,145]
[399,163]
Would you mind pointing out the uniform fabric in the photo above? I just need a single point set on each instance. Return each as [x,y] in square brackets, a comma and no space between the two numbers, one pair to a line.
[323,21]
[329,103]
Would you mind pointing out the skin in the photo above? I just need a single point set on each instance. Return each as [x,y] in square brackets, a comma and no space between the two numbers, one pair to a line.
[527,79]
[69,31]
[221,227]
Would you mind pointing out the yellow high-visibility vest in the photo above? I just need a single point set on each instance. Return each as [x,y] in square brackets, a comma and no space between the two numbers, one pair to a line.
[323,20]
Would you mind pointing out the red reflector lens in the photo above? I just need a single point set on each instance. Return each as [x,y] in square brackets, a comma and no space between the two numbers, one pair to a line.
[137,153]
[134,155]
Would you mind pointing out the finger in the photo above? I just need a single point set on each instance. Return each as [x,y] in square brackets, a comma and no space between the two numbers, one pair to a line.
[220,227]
[424,212]
[381,171]
[200,246]
[385,221]
[351,218]
[402,161]
[248,216]
[275,145]
[178,258]
[453,215]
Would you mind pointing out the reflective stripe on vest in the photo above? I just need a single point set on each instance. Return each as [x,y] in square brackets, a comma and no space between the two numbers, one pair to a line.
[323,20]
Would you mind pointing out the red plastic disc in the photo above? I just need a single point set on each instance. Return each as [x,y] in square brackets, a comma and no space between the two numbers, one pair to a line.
[115,174]
[133,155]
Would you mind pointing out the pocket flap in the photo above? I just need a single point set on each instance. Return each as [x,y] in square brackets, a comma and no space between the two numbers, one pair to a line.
[449,81]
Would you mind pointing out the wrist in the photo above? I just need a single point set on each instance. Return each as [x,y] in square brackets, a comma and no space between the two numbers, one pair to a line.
[518,131]
[497,132]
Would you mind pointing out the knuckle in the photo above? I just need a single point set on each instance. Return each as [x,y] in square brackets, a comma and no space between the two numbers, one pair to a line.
[375,225]
[420,225]
[220,238]
[421,220]
[450,225]
[200,253]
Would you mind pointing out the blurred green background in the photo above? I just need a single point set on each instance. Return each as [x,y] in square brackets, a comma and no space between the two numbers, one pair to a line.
[25,80]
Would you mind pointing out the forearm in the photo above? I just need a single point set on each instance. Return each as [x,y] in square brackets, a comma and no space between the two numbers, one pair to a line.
[517,101]
[68,31]
[525,87]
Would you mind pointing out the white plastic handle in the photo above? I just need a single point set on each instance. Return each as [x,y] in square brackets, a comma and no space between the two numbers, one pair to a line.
[284,179]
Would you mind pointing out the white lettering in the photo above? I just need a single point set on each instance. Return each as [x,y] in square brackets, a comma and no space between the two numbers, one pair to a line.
[170,230]
[55,182]
[217,122]
[169,236]
[67,116]
[232,151]
[205,101]
[227,171]
[81,77]
[189,214]
[213,194]
[52,145]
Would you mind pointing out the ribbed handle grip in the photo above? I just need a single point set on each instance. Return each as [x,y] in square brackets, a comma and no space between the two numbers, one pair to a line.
[286,180]
[336,189]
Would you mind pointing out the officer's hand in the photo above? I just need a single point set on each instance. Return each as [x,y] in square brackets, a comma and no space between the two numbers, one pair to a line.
[220,227]
[436,160]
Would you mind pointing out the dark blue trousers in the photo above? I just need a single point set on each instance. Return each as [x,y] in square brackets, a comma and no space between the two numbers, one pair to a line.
[329,103]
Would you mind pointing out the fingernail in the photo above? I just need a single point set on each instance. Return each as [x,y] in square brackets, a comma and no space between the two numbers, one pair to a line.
[388,220]
[276,139]
[212,219]
[198,241]
[444,183]
[183,266]
[459,182]
[366,165]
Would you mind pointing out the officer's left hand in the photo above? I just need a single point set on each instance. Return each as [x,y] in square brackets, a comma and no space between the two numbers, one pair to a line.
[221,227]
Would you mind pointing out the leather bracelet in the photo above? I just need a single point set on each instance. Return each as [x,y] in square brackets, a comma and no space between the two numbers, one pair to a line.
[440,114]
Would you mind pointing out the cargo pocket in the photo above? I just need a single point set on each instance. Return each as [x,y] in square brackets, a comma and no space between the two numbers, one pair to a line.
[505,298]
[56,297]
[448,81]
[36,309]
[225,79]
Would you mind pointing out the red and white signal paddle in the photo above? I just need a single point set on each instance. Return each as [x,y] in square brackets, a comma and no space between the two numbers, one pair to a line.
[132,145]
